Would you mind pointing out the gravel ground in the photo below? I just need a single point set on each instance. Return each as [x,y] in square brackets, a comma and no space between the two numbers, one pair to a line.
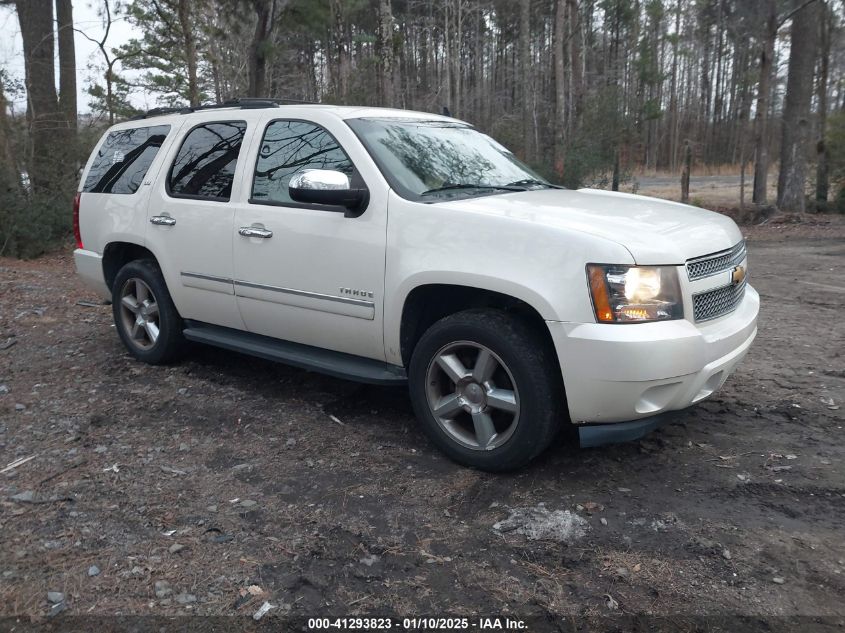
[217,484]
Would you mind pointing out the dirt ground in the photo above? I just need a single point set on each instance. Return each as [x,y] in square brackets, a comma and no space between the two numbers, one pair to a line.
[217,484]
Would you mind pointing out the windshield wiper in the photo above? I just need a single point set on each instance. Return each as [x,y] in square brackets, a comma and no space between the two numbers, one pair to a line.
[533,181]
[466,185]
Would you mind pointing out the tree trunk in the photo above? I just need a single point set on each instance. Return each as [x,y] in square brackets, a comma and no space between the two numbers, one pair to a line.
[525,75]
[110,90]
[187,28]
[761,152]
[9,176]
[686,173]
[67,62]
[342,72]
[560,96]
[673,95]
[576,59]
[258,48]
[10,182]
[43,114]
[614,181]
[386,57]
[456,58]
[447,61]
[796,111]
[822,161]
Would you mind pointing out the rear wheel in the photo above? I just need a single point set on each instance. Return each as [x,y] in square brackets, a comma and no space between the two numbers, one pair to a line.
[486,389]
[144,314]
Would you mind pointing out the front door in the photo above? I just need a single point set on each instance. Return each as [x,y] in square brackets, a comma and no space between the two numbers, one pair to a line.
[190,222]
[306,273]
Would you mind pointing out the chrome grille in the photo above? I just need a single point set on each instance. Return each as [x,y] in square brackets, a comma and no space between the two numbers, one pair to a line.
[715,262]
[717,302]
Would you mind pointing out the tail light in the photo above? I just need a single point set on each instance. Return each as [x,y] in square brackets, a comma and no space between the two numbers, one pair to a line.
[76,231]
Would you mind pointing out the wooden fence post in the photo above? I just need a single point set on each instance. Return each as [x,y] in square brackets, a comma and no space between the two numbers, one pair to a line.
[685,173]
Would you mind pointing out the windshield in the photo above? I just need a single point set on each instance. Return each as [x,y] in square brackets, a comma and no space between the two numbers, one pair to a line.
[432,160]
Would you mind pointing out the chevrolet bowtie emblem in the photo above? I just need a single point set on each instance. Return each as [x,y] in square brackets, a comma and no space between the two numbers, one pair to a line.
[738,275]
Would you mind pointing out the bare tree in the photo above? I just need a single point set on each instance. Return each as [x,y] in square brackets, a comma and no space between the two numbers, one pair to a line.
[764,93]
[386,57]
[796,111]
[588,90]
[185,22]
[525,76]
[9,167]
[110,57]
[822,156]
[560,90]
[67,62]
[43,114]
[261,45]
[576,45]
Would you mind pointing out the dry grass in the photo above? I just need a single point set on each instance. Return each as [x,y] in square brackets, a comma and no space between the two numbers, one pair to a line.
[726,169]
[708,194]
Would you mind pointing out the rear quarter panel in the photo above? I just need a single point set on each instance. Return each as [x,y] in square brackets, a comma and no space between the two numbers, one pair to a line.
[105,217]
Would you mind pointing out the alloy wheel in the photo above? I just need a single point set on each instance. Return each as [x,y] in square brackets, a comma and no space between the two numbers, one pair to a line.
[139,313]
[472,395]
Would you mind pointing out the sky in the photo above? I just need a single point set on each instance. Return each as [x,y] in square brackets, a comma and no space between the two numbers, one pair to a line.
[89,60]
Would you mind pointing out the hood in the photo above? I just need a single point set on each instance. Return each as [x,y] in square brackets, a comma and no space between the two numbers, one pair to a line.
[654,231]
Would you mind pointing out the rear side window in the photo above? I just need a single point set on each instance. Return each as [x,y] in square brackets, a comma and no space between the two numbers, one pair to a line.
[289,147]
[123,160]
[205,165]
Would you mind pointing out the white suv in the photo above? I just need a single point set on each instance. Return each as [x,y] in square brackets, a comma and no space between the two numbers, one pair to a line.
[389,246]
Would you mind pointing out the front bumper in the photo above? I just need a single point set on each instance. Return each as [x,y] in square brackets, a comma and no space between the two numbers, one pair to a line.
[624,373]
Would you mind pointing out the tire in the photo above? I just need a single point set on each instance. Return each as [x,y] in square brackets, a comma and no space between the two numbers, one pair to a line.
[486,362]
[151,329]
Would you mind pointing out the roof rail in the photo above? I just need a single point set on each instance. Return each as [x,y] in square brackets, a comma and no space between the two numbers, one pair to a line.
[160,112]
[245,103]
[261,101]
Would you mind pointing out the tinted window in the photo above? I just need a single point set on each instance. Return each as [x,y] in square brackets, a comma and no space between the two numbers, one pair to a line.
[123,160]
[289,147]
[205,164]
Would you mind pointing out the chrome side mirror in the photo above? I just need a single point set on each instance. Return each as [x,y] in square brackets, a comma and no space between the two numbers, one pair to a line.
[330,188]
[320,179]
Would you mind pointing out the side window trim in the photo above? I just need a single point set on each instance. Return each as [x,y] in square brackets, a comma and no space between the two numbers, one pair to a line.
[181,142]
[298,205]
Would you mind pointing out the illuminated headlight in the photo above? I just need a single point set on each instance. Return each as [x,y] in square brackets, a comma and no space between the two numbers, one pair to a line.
[632,294]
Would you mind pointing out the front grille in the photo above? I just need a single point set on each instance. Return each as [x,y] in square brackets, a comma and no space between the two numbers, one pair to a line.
[716,262]
[714,303]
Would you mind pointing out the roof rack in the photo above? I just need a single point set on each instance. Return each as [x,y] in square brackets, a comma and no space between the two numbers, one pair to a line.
[245,103]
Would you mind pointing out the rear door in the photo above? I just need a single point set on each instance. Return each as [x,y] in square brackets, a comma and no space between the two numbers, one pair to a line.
[190,217]
[318,277]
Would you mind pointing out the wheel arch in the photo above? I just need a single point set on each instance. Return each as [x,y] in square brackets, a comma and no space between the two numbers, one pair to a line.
[118,254]
[427,303]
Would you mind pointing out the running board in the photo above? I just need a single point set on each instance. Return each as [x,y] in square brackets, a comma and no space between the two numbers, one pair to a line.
[316,359]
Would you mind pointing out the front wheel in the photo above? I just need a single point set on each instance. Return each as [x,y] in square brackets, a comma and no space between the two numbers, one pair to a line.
[486,389]
[144,314]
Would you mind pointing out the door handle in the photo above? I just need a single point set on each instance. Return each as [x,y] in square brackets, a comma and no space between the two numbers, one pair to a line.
[255,231]
[162,220]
